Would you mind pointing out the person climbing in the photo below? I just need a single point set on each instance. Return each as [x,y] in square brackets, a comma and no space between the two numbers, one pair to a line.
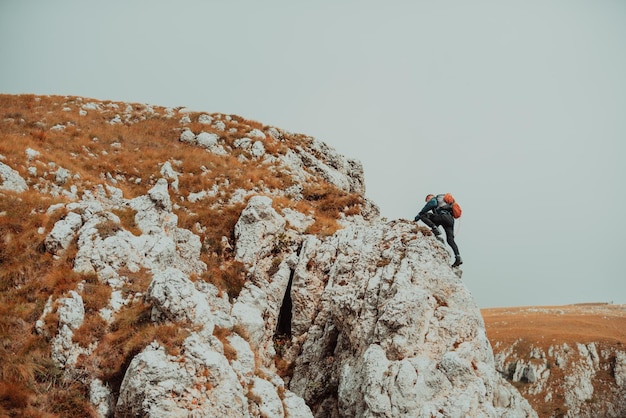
[438,212]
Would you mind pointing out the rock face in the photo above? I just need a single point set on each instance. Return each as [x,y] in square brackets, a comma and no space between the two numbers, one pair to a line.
[380,325]
[367,321]
[395,333]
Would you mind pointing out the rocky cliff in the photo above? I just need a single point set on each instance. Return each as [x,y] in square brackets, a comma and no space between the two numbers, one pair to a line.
[160,262]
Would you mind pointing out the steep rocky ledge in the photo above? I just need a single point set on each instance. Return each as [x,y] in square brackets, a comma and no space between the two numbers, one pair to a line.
[380,325]
[365,321]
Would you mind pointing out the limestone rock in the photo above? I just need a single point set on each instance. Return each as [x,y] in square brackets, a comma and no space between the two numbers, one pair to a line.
[396,333]
[71,313]
[63,232]
[11,180]
[175,298]
[162,244]
[258,224]
[100,397]
[620,369]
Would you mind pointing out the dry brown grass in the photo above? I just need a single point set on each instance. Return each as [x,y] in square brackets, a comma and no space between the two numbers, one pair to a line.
[570,324]
[127,220]
[328,203]
[29,381]
[222,334]
[136,281]
[130,333]
[227,275]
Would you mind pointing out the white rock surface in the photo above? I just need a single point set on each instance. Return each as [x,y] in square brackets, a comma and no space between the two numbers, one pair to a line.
[63,232]
[175,298]
[11,180]
[397,333]
[71,313]
[255,231]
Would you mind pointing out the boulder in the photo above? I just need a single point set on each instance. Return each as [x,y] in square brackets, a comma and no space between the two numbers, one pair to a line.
[255,230]
[11,180]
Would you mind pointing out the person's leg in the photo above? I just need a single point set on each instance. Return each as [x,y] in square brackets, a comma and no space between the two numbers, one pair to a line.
[450,238]
[448,227]
[428,220]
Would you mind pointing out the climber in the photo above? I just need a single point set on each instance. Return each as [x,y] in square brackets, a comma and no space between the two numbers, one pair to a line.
[436,213]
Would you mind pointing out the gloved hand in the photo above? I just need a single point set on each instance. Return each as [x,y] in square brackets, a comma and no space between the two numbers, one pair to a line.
[417,218]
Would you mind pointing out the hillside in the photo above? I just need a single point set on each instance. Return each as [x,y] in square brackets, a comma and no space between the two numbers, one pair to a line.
[164,262]
[58,150]
[566,360]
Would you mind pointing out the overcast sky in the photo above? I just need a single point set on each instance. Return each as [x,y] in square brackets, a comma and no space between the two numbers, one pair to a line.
[516,107]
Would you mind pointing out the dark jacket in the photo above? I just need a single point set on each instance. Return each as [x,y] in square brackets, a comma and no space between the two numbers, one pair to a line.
[433,204]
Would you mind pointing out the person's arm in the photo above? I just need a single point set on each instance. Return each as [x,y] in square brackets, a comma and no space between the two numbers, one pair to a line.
[430,205]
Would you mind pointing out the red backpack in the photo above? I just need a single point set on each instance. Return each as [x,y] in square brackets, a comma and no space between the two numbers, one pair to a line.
[446,201]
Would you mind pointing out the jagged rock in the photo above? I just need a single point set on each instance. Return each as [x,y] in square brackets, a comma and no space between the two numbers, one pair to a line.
[31,154]
[100,397]
[63,233]
[160,196]
[174,297]
[396,333]
[205,119]
[256,133]
[258,306]
[346,174]
[296,220]
[161,245]
[168,172]
[207,140]
[61,176]
[188,136]
[152,384]
[620,369]
[373,318]
[256,228]
[307,285]
[11,179]
[258,149]
[71,316]
[71,311]
[201,382]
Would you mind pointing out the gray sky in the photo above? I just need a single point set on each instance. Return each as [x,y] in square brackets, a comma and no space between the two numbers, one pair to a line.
[516,107]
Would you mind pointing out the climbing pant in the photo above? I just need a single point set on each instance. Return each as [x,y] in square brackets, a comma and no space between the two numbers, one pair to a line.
[447,222]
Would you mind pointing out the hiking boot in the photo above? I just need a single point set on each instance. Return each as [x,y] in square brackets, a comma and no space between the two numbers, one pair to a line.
[436,231]
[457,262]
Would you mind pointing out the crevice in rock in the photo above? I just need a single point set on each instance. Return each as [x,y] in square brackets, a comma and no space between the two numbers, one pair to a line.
[331,344]
[283,326]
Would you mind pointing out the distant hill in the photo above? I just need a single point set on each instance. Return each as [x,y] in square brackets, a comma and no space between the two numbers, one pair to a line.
[566,360]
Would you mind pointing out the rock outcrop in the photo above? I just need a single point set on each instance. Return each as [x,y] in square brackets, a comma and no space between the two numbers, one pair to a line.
[380,326]
[396,332]
[365,321]
[10,179]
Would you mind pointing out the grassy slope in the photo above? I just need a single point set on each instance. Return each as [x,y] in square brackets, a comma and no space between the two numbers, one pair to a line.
[128,155]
